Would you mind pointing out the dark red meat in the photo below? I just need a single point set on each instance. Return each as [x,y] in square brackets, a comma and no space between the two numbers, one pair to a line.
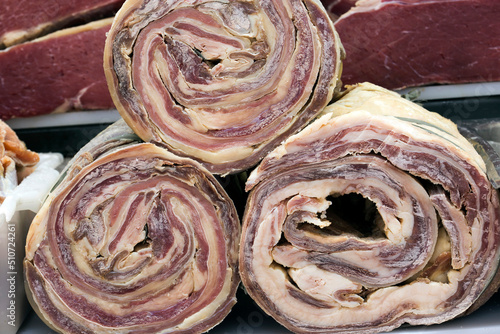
[60,72]
[378,213]
[21,20]
[398,44]
[338,7]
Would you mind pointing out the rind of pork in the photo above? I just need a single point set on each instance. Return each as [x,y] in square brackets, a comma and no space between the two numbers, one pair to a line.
[24,20]
[60,72]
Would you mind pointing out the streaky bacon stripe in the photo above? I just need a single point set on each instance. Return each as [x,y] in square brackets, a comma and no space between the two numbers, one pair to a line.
[162,256]
[422,246]
[222,83]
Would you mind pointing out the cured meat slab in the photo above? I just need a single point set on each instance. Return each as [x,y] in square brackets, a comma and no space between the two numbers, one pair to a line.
[223,83]
[56,73]
[133,239]
[398,44]
[377,214]
[21,20]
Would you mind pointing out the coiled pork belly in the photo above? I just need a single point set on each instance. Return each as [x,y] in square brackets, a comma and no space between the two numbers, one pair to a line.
[221,82]
[379,213]
[133,240]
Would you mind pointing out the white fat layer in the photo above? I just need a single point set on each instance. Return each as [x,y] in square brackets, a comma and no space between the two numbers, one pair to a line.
[365,105]
[423,296]
[31,192]
[324,285]
[83,252]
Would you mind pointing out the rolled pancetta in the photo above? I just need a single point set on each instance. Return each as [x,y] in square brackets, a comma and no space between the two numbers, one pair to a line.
[379,213]
[221,82]
[133,240]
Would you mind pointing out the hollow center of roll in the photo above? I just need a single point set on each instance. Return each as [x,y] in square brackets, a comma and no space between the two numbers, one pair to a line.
[354,214]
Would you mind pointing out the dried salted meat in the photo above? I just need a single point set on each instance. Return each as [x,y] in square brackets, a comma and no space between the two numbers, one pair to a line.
[377,214]
[221,82]
[56,73]
[133,239]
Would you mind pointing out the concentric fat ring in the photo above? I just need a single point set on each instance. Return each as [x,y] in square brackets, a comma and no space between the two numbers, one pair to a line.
[377,214]
[134,239]
[223,82]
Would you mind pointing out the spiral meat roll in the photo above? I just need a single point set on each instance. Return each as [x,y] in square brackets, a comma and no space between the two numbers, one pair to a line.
[379,213]
[223,82]
[133,240]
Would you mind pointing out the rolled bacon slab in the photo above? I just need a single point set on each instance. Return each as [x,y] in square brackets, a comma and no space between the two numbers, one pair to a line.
[377,214]
[221,82]
[133,240]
